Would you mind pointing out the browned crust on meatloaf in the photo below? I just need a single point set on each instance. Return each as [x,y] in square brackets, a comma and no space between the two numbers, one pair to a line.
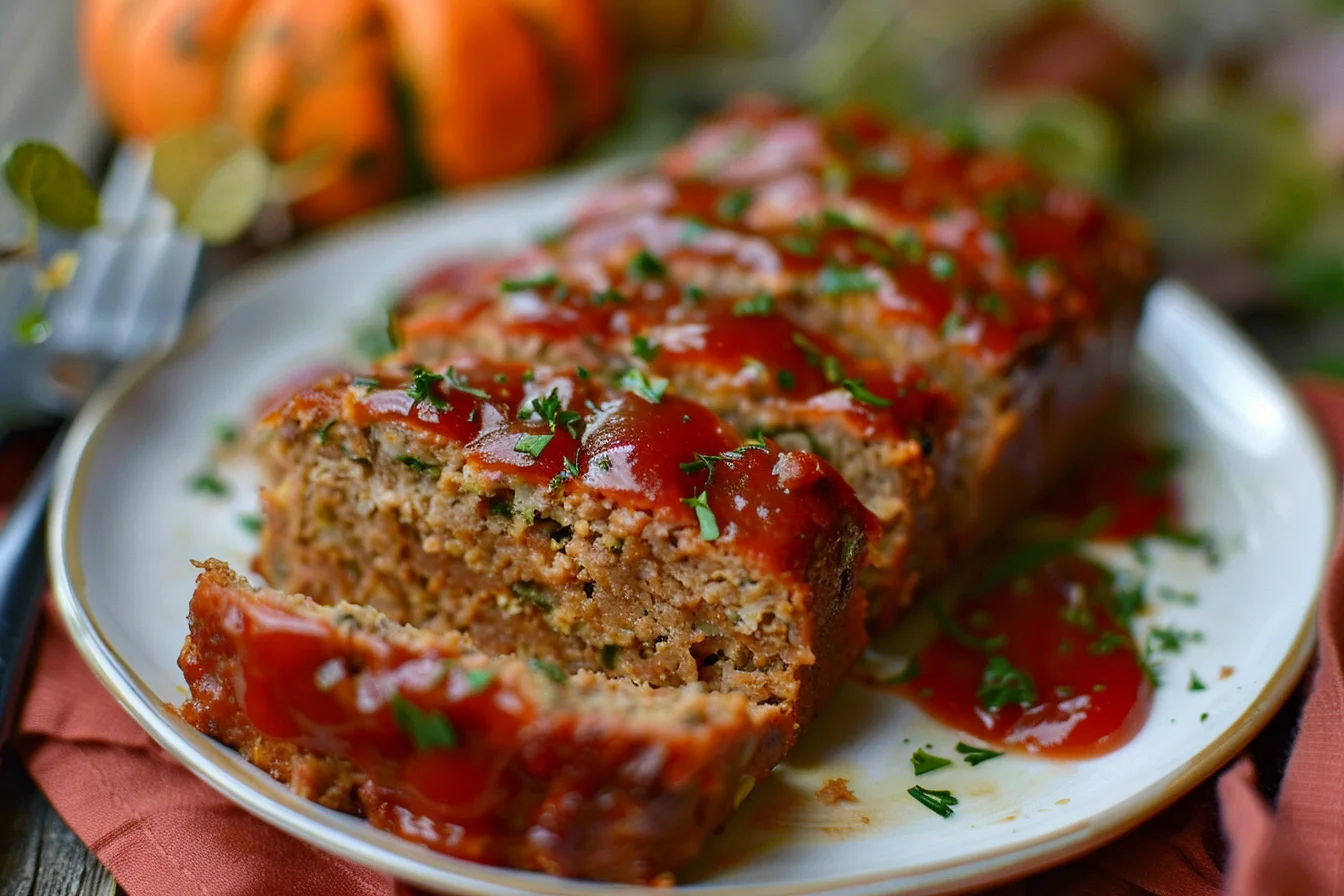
[605,779]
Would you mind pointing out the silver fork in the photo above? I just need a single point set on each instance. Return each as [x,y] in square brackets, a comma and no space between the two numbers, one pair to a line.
[128,298]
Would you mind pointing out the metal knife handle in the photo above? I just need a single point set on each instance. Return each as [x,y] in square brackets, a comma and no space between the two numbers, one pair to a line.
[22,574]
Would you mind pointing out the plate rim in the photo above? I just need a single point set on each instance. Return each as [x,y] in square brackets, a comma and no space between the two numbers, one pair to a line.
[1006,863]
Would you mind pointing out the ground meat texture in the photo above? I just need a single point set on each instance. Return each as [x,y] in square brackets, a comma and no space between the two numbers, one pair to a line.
[904,258]
[488,759]
[645,538]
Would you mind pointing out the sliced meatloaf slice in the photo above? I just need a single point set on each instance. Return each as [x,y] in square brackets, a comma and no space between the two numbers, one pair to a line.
[489,759]
[551,515]
[883,429]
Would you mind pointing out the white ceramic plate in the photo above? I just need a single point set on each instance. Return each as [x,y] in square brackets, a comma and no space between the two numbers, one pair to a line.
[124,525]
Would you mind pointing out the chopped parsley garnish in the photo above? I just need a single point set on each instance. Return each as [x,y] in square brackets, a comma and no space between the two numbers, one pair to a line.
[550,670]
[551,412]
[859,393]
[1153,479]
[1186,538]
[831,369]
[427,730]
[731,206]
[909,673]
[695,293]
[571,471]
[534,594]
[976,755]
[478,680]
[1203,717]
[758,305]
[942,266]
[1171,640]
[1003,684]
[646,266]
[786,379]
[707,462]
[951,325]
[837,220]
[938,801]
[533,443]
[609,654]
[927,762]
[1109,642]
[709,526]
[226,433]
[457,382]
[422,388]
[1176,596]
[693,231]
[501,507]
[250,522]
[208,483]
[582,372]
[417,464]
[1195,683]
[609,296]
[907,242]
[322,433]
[541,281]
[834,279]
[644,350]
[651,390]
[992,304]
[799,243]
[367,382]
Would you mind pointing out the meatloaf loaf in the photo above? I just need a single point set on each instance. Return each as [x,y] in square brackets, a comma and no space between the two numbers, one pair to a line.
[490,759]
[848,250]
[554,516]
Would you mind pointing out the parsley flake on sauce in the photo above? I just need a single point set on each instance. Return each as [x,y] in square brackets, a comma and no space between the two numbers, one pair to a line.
[758,305]
[541,281]
[646,266]
[709,526]
[644,350]
[942,266]
[533,443]
[427,730]
[208,483]
[976,755]
[859,393]
[1003,684]
[456,380]
[927,762]
[834,280]
[422,388]
[478,680]
[651,390]
[937,801]
[732,206]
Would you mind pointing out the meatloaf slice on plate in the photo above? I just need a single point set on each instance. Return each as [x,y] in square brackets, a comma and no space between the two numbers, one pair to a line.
[489,759]
[553,516]
[742,356]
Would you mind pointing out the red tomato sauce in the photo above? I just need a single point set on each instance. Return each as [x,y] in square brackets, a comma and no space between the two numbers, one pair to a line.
[1043,661]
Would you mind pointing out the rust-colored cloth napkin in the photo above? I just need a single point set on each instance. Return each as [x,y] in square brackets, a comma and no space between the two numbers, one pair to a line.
[164,833]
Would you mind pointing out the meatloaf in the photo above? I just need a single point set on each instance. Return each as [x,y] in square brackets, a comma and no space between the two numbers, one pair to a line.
[853,250]
[485,758]
[552,515]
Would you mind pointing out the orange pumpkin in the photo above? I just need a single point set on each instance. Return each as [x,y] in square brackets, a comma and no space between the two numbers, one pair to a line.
[364,97]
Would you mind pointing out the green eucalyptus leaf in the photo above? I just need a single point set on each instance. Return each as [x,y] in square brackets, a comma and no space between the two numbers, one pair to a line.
[46,182]
[214,178]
